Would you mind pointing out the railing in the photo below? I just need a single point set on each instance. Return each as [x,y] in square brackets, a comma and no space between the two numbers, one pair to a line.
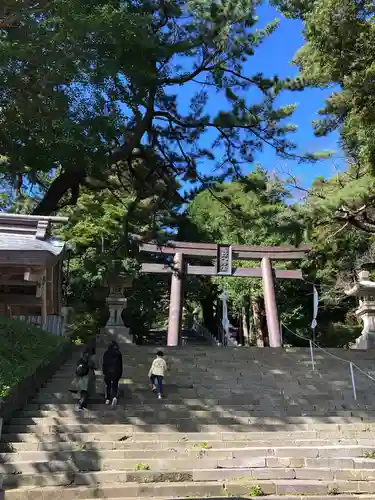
[313,345]
[227,340]
[201,330]
[55,324]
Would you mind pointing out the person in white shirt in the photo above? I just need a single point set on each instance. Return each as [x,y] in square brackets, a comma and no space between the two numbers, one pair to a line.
[157,372]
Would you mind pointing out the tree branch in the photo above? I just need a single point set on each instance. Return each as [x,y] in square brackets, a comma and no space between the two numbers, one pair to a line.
[67,180]
[72,178]
[172,119]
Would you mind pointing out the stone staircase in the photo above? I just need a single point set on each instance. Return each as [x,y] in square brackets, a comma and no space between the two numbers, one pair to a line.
[235,423]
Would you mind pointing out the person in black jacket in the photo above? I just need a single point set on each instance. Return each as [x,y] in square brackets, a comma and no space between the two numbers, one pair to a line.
[112,371]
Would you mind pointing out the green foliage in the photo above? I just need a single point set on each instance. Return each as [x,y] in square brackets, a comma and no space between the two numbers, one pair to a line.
[334,491]
[85,326]
[252,212]
[147,305]
[341,335]
[141,466]
[256,212]
[339,52]
[82,80]
[338,251]
[23,348]
[99,233]
[256,491]
[202,446]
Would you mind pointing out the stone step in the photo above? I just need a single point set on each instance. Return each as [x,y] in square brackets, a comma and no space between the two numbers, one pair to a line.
[260,365]
[220,393]
[323,383]
[295,407]
[67,474]
[275,497]
[69,444]
[195,459]
[198,489]
[185,427]
[169,416]
[237,383]
[266,370]
[226,395]
[270,497]
[20,424]
[265,367]
[189,392]
[152,407]
[337,451]
[56,410]
[173,399]
[119,413]
[165,433]
[259,370]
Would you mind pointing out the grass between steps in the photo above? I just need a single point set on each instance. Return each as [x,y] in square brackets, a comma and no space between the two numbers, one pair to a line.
[23,348]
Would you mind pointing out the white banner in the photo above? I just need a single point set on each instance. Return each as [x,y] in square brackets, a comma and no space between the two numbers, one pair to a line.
[315,308]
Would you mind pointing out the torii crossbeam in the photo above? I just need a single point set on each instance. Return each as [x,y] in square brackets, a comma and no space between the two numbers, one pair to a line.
[224,255]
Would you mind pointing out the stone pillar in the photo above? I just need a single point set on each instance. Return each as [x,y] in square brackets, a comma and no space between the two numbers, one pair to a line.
[116,304]
[364,289]
[176,301]
[66,314]
[366,312]
[270,303]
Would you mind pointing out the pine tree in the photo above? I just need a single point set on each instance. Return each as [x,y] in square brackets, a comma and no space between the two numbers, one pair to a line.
[85,85]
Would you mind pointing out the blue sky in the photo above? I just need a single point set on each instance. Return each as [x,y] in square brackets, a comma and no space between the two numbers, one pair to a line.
[274,58]
[277,53]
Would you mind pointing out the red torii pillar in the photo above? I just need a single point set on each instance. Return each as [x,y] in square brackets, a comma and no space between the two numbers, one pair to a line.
[273,325]
[176,301]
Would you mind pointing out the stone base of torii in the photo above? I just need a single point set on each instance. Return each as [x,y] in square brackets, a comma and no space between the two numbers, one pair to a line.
[222,255]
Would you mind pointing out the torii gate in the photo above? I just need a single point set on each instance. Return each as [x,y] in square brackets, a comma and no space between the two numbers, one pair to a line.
[223,254]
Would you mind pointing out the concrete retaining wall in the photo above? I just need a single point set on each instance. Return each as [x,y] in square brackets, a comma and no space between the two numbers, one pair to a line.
[27,388]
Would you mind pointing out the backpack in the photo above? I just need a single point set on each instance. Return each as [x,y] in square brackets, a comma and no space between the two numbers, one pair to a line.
[112,363]
[82,367]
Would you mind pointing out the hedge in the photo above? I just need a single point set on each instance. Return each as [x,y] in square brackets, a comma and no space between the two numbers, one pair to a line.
[23,348]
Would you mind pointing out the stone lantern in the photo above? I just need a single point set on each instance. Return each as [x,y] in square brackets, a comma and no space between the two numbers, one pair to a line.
[365,290]
[116,304]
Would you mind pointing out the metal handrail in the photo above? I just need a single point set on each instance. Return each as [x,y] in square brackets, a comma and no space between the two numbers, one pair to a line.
[312,343]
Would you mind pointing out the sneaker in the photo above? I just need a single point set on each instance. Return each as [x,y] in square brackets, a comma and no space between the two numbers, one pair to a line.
[107,401]
[114,401]
[153,388]
[80,408]
[160,396]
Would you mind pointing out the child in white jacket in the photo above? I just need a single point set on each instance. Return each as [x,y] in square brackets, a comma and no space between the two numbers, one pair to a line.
[157,372]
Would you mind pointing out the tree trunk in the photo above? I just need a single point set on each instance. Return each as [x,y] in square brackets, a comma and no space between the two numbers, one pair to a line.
[257,318]
[68,180]
[245,327]
[208,314]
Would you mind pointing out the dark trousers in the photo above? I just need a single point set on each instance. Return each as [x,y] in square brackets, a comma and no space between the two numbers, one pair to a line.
[111,387]
[83,399]
[159,380]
